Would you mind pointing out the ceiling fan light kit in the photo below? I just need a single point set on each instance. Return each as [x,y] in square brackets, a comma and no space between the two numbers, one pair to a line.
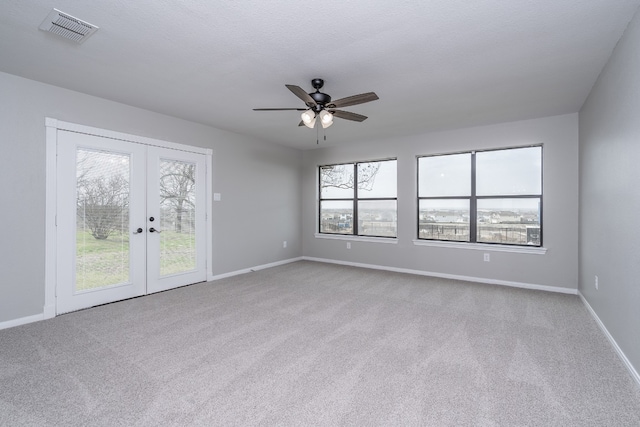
[319,104]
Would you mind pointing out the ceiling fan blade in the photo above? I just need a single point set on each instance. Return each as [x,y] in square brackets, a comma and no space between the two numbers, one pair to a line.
[348,115]
[279,109]
[300,93]
[354,100]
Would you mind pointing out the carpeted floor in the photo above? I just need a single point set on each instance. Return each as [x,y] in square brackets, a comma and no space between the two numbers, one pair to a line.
[311,344]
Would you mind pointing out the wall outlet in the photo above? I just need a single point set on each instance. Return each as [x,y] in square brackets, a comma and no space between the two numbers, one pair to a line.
[487,257]
[596,283]
[284,244]
[348,245]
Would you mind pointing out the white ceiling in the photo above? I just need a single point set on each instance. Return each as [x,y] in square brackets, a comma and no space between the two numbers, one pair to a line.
[435,65]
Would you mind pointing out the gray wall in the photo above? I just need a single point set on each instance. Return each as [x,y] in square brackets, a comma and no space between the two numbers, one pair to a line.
[609,195]
[557,268]
[259,184]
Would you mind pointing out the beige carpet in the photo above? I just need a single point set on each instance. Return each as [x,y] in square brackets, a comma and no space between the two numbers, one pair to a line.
[311,344]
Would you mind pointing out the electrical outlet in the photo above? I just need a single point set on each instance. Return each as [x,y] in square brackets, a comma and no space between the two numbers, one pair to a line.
[596,283]
[487,257]
[348,245]
[284,244]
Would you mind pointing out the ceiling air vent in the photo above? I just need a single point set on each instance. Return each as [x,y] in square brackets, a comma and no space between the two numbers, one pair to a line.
[67,26]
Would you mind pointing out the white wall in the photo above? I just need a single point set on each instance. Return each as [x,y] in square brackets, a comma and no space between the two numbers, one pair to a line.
[259,183]
[557,268]
[610,195]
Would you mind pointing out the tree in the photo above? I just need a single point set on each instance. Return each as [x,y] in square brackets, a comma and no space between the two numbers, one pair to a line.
[177,189]
[342,176]
[103,204]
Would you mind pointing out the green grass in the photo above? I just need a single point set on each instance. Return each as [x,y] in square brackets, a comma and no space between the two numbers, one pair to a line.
[101,263]
[177,252]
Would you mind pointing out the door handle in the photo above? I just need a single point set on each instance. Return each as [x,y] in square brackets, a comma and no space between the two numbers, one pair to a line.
[138,231]
[153,230]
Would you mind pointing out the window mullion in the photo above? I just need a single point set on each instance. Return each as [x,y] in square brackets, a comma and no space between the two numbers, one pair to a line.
[473,206]
[354,226]
[319,224]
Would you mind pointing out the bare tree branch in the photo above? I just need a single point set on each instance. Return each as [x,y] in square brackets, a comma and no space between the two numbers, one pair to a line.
[341,176]
[103,204]
[177,189]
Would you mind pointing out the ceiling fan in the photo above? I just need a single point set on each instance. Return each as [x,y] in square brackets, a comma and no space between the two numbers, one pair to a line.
[319,105]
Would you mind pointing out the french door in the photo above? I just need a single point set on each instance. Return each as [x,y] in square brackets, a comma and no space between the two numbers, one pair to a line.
[130,219]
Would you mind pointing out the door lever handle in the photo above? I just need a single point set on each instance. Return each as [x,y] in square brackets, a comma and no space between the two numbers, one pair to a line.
[138,231]
[153,230]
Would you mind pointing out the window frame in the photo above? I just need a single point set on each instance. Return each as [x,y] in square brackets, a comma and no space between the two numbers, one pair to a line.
[354,201]
[473,199]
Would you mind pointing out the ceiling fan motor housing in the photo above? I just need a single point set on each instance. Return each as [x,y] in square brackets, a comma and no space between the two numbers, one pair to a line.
[321,98]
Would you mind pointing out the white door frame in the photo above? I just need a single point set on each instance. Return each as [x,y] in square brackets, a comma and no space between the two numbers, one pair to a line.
[52,127]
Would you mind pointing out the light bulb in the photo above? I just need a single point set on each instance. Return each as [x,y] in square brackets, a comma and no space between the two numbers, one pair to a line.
[326,117]
[308,116]
[311,124]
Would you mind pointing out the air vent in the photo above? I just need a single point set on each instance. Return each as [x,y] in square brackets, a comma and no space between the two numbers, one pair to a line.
[67,26]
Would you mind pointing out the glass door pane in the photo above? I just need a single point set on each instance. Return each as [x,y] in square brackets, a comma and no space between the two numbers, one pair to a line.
[102,225]
[177,217]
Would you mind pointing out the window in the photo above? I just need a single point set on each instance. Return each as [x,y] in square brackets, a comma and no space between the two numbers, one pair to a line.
[490,196]
[366,209]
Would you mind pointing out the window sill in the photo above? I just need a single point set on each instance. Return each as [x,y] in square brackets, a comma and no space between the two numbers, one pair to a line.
[352,238]
[483,247]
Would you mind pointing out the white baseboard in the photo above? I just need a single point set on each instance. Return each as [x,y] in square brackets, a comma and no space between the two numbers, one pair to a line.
[450,276]
[21,321]
[249,270]
[613,342]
